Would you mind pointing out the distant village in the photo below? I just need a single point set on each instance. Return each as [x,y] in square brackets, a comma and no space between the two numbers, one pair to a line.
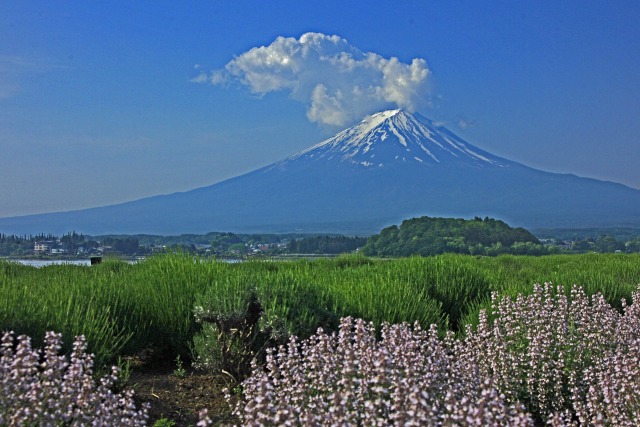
[55,247]
[73,245]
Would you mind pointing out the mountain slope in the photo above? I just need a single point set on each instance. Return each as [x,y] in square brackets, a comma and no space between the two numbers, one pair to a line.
[390,167]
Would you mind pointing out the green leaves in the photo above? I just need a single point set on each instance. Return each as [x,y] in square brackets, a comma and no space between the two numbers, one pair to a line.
[123,308]
[427,236]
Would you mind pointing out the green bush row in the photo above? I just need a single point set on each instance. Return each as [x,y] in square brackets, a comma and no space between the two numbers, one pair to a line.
[124,308]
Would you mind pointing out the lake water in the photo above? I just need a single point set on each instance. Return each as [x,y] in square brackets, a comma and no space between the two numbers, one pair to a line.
[46,262]
[84,262]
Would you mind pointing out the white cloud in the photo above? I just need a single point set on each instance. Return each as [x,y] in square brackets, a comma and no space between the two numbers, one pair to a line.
[200,78]
[338,82]
[326,108]
[464,123]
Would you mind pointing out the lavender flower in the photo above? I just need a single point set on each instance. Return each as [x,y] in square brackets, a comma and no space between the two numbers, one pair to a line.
[44,388]
[410,377]
[547,358]
[567,358]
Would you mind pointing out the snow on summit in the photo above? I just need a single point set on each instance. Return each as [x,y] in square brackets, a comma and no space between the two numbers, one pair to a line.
[396,136]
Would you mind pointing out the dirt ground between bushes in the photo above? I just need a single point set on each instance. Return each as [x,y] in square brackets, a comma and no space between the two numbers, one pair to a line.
[180,398]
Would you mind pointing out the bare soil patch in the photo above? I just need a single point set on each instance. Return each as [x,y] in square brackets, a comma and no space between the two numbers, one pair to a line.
[180,398]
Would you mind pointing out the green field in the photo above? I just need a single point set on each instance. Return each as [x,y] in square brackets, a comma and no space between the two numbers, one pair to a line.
[123,309]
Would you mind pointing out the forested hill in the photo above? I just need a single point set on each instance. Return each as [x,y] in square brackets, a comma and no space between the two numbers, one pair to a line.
[431,236]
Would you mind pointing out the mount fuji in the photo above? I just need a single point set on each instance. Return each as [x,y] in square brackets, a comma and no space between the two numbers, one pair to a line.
[391,166]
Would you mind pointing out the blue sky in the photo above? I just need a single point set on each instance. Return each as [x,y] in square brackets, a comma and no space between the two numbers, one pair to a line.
[105,102]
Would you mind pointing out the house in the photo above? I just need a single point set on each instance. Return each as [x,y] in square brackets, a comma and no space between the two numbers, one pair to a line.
[43,247]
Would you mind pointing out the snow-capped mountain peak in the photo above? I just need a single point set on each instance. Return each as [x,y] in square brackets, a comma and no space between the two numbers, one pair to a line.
[392,166]
[396,136]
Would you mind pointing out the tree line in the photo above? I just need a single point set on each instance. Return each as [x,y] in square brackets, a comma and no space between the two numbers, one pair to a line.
[326,244]
[417,236]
